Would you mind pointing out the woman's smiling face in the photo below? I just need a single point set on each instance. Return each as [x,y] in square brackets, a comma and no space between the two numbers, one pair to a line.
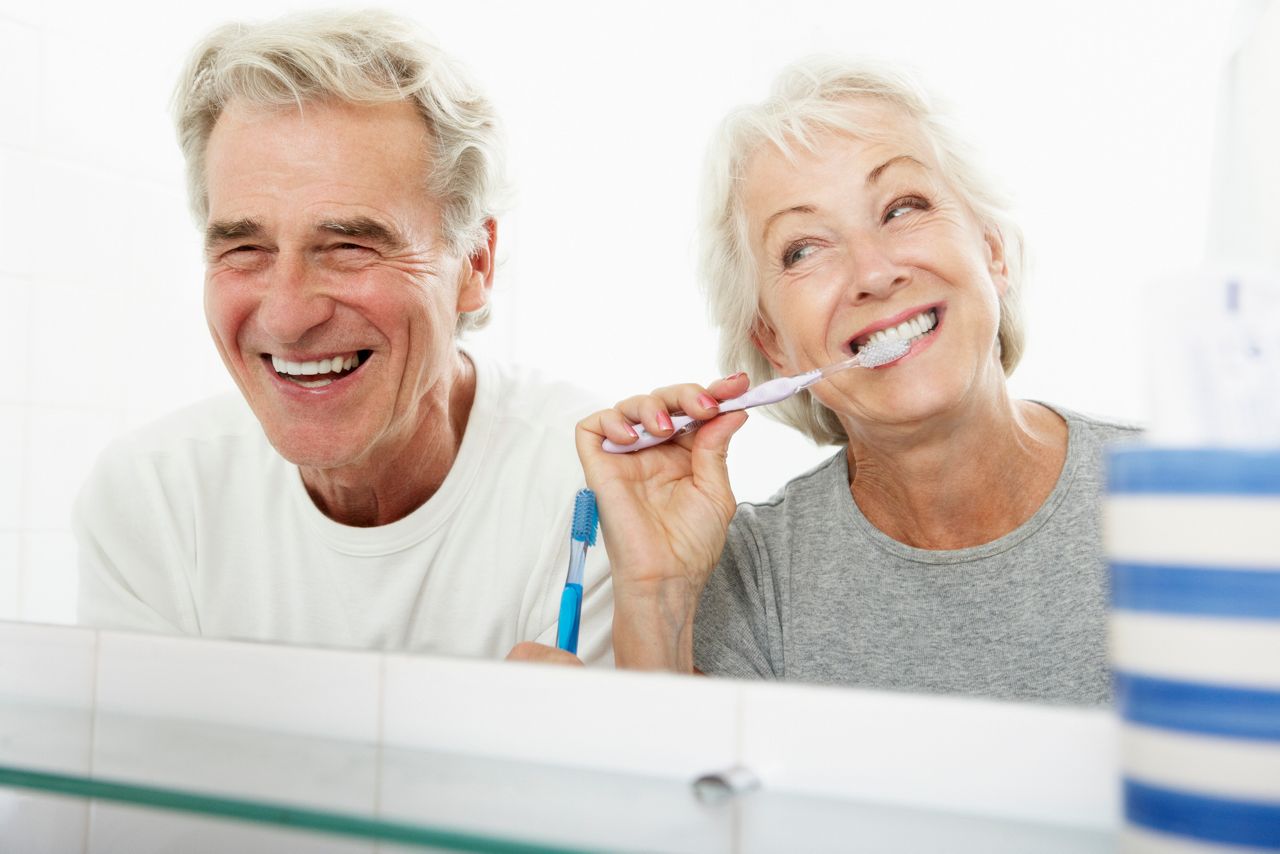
[862,238]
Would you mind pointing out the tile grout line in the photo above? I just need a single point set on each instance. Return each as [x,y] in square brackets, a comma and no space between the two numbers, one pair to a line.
[739,759]
[381,736]
[93,733]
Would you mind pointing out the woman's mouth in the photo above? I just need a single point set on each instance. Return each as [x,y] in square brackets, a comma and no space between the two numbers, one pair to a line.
[909,330]
[319,373]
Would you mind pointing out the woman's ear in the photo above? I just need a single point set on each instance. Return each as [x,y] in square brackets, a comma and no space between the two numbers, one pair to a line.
[766,341]
[996,264]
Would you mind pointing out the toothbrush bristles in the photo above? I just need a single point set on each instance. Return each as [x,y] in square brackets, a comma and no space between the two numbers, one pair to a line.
[882,353]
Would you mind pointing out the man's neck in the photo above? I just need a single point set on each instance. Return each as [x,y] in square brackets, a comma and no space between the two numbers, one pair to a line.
[390,484]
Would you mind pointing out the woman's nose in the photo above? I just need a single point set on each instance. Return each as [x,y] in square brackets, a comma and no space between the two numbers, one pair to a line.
[294,300]
[873,271]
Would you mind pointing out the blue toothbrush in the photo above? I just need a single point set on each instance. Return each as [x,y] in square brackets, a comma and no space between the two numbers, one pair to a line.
[581,536]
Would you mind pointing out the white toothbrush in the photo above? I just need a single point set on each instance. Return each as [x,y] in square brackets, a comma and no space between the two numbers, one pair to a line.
[773,391]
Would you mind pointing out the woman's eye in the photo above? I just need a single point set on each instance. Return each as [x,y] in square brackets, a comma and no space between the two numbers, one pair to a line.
[797,253]
[903,205]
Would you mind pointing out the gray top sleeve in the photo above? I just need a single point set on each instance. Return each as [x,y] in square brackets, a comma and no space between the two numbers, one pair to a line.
[730,633]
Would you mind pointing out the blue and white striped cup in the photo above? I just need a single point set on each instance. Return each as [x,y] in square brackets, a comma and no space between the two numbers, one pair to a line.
[1193,541]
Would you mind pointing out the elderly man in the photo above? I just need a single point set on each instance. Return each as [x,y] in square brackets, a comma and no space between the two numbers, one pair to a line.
[383,488]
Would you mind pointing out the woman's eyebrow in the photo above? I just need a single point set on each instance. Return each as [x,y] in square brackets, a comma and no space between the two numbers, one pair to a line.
[803,209]
[874,174]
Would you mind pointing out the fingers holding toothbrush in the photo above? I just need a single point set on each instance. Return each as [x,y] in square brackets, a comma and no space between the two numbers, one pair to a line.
[664,512]
[658,413]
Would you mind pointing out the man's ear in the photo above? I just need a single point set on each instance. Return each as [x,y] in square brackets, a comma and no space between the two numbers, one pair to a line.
[766,341]
[477,272]
[996,264]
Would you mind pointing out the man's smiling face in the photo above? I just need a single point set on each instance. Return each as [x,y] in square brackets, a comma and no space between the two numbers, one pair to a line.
[330,292]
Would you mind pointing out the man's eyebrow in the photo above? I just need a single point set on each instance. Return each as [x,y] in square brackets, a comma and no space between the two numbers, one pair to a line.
[235,229]
[874,174]
[366,228]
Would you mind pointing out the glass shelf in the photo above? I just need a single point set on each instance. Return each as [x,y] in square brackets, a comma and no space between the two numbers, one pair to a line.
[166,784]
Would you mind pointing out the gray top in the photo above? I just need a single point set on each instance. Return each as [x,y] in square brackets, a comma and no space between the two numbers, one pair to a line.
[808,589]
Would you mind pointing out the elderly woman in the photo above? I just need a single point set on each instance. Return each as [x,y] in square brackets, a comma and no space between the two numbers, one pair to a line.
[952,543]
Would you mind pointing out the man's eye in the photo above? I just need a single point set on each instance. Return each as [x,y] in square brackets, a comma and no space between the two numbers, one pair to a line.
[797,253]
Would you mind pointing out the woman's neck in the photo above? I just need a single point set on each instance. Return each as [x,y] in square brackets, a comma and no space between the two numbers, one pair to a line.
[961,483]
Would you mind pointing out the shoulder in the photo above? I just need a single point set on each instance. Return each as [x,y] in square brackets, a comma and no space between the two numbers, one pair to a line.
[1091,433]
[527,394]
[220,426]
[804,500]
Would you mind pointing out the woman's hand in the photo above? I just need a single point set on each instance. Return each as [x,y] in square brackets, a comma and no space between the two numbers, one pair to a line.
[665,512]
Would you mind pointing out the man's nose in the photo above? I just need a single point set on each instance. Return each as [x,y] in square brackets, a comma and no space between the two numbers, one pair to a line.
[294,301]
[874,273]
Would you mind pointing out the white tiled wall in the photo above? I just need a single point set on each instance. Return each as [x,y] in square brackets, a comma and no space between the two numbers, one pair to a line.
[100,276]
[100,283]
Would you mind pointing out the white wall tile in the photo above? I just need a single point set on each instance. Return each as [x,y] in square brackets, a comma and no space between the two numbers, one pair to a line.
[1009,760]
[500,799]
[46,678]
[13,449]
[817,825]
[303,691]
[47,664]
[10,568]
[20,71]
[35,823]
[283,724]
[82,360]
[65,221]
[62,447]
[640,723]
[131,131]
[15,326]
[49,581]
[128,829]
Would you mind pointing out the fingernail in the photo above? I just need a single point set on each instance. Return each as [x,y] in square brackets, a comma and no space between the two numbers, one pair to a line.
[664,421]
[632,431]
[707,401]
[735,376]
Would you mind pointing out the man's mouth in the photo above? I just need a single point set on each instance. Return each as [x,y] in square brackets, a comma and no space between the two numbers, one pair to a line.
[319,373]
[909,330]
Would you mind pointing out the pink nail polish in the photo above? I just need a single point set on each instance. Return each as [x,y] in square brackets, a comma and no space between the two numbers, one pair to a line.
[632,431]
[664,421]
[732,377]
[707,401]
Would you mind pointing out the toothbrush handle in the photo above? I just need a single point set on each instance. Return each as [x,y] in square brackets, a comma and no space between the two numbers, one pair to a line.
[773,391]
[570,618]
[682,423]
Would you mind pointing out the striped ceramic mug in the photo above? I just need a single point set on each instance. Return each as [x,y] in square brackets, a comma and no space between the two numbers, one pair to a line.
[1193,541]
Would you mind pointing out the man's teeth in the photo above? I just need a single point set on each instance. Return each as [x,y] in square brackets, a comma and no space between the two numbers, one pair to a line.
[316,368]
[907,330]
[334,365]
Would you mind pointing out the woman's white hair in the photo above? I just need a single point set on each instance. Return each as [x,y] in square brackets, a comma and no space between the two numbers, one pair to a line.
[365,57]
[809,97]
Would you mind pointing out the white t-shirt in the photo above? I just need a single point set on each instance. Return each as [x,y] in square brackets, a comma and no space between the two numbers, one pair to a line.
[196,525]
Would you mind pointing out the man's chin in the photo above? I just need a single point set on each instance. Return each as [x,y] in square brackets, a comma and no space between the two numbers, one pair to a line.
[313,452]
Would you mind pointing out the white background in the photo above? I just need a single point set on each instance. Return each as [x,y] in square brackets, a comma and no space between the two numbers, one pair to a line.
[1098,115]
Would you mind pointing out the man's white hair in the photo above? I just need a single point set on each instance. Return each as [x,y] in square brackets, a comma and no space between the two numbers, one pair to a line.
[809,97]
[366,57]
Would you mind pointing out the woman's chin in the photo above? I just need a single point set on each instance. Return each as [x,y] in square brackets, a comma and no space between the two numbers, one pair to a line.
[905,405]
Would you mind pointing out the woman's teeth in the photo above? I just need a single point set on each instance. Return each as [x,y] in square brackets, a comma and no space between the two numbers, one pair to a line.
[908,330]
[335,365]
